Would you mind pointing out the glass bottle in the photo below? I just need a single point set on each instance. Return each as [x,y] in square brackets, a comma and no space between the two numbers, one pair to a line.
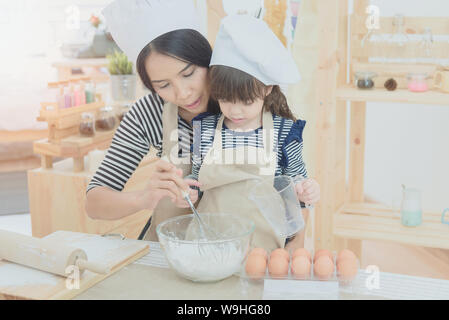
[398,40]
[87,124]
[364,80]
[90,92]
[82,93]
[67,97]
[77,95]
[411,211]
[106,119]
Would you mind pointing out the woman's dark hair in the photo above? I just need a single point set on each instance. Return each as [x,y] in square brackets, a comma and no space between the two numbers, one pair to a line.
[185,44]
[230,84]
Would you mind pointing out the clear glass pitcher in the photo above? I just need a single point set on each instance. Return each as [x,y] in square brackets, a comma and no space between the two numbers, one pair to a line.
[278,203]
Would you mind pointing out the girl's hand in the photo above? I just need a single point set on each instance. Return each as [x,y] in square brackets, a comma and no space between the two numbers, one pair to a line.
[308,191]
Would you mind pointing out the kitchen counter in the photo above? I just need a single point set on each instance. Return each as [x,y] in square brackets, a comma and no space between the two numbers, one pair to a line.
[158,282]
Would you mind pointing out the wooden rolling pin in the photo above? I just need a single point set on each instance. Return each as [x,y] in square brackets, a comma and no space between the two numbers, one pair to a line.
[45,255]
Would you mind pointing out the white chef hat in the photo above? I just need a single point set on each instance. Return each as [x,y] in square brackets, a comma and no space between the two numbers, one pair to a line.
[135,23]
[248,44]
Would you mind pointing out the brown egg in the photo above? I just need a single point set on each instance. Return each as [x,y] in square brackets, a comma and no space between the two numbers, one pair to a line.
[323,252]
[323,268]
[347,269]
[301,267]
[278,267]
[255,266]
[259,251]
[280,252]
[346,254]
[302,252]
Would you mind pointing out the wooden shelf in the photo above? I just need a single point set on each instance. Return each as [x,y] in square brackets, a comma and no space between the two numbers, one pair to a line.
[74,146]
[399,96]
[375,222]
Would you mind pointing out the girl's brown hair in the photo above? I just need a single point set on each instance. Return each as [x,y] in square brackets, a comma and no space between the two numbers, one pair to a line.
[230,84]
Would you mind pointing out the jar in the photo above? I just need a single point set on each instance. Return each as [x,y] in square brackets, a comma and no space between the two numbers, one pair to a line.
[417,82]
[364,80]
[124,109]
[411,211]
[106,119]
[87,125]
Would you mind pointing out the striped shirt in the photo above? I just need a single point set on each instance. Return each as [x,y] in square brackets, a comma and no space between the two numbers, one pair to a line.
[140,129]
[288,134]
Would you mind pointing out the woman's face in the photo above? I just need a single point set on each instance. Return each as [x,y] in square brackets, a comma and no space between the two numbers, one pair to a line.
[181,83]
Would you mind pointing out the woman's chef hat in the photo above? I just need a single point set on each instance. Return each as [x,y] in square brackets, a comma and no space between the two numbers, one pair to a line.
[135,23]
[248,44]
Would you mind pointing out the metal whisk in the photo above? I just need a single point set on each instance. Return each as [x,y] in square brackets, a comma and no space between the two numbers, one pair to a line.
[211,234]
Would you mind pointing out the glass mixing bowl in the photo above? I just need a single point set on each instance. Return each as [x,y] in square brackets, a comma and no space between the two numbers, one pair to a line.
[206,260]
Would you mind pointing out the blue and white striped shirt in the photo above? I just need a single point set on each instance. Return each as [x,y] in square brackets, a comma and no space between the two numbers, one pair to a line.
[287,132]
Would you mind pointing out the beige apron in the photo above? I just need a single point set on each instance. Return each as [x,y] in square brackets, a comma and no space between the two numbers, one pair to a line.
[165,208]
[227,186]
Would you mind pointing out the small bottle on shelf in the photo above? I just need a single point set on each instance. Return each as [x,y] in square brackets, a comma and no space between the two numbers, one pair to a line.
[77,95]
[417,82]
[364,80]
[82,93]
[106,119]
[87,124]
[60,97]
[90,92]
[67,98]
[72,94]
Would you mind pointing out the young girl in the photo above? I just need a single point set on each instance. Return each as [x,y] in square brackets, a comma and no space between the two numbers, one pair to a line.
[248,64]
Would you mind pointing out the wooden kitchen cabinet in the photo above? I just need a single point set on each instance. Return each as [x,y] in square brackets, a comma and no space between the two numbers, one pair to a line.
[57,201]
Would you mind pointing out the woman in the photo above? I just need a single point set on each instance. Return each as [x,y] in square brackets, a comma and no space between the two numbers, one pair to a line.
[172,61]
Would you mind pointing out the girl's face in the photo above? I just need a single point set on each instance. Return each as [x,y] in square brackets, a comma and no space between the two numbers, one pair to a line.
[242,116]
[183,84]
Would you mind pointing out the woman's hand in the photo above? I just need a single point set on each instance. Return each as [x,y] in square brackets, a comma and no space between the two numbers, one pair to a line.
[166,181]
[181,202]
[308,191]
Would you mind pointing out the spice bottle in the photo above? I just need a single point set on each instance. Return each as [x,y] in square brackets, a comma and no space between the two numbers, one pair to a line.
[364,80]
[77,95]
[83,93]
[90,92]
[87,125]
[106,119]
[67,98]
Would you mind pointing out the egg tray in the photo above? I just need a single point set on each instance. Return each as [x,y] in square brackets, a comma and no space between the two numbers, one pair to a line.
[334,277]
